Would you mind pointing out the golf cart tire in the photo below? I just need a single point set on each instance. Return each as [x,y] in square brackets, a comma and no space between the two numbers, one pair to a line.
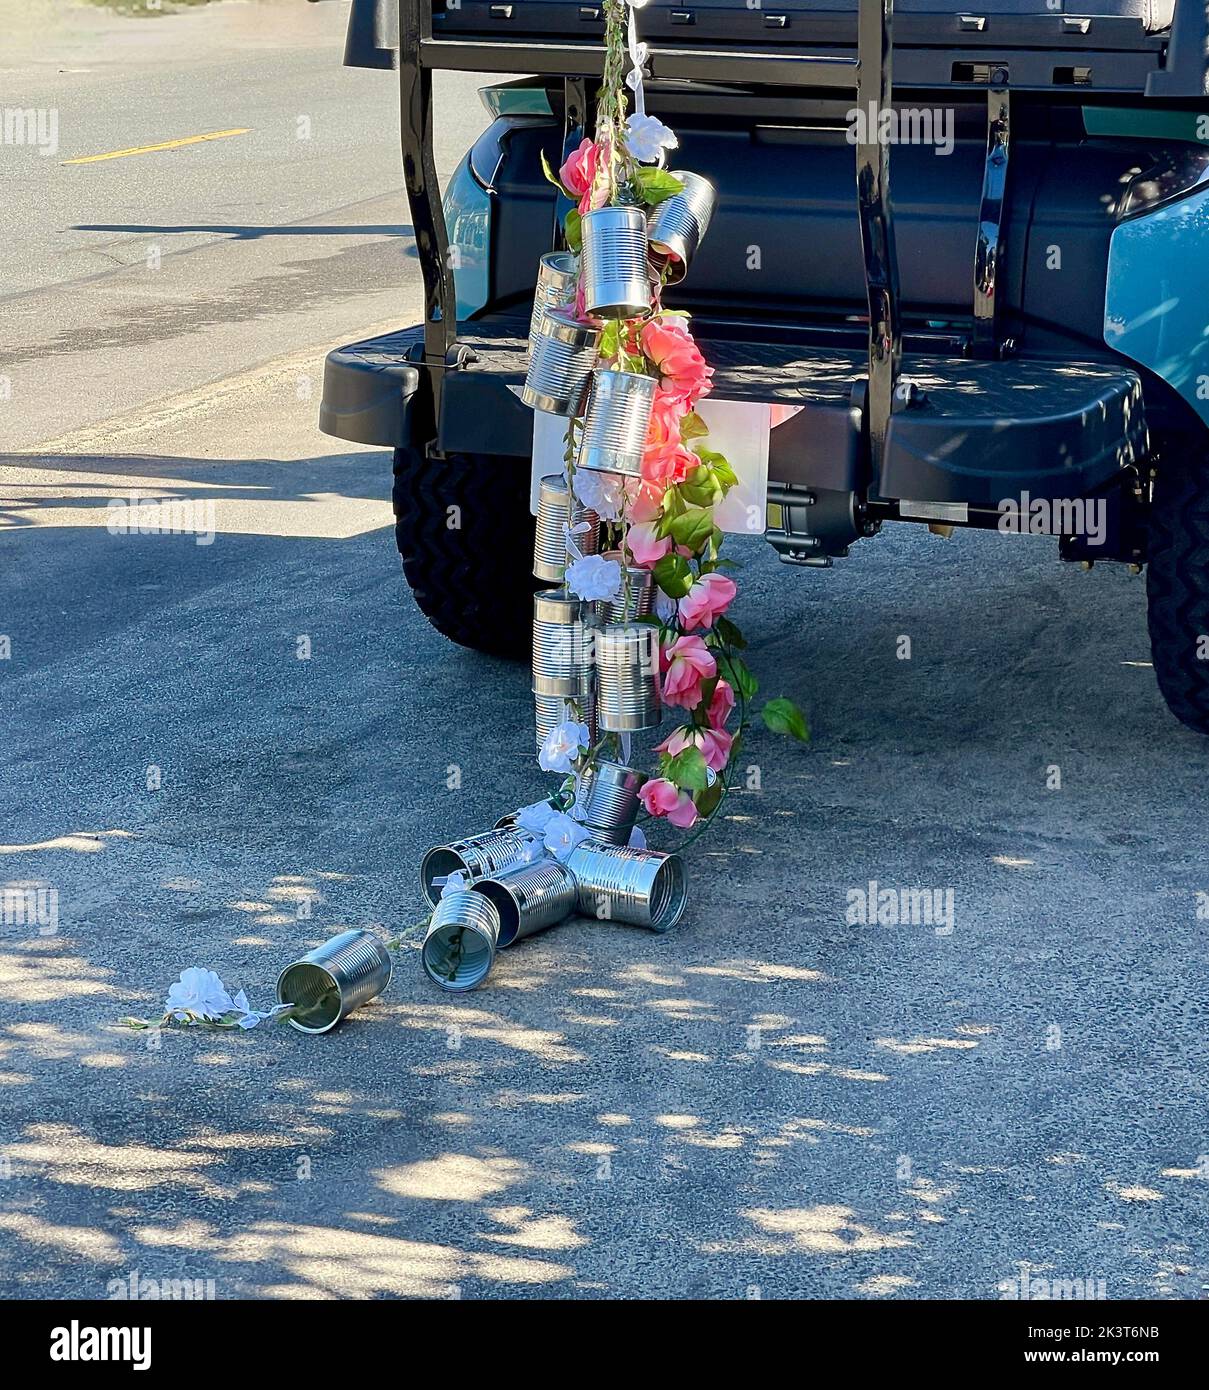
[465,536]
[1177,588]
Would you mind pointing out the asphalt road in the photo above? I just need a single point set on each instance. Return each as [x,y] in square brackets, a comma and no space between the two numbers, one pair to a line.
[771,1101]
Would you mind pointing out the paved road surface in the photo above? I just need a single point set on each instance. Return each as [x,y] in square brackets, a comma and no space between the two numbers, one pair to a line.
[771,1100]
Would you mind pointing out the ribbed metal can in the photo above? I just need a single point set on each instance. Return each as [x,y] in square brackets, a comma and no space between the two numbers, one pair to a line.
[616,278]
[531,898]
[627,672]
[557,272]
[634,600]
[562,654]
[563,354]
[640,887]
[476,856]
[677,226]
[459,947]
[553,709]
[328,983]
[557,510]
[610,807]
[616,421]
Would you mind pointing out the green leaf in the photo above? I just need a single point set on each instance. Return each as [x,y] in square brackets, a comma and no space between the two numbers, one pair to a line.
[710,799]
[552,177]
[693,427]
[571,230]
[687,770]
[610,338]
[783,717]
[654,185]
[673,575]
[735,670]
[730,633]
[692,528]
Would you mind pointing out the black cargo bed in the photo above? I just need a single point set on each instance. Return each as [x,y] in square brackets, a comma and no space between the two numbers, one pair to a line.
[976,430]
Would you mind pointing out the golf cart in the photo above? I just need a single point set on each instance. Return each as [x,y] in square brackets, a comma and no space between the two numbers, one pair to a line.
[1021,344]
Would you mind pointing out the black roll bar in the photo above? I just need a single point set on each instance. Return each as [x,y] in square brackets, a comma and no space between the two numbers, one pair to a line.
[867,76]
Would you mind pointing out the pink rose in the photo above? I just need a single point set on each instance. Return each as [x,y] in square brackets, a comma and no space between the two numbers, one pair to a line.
[645,546]
[581,175]
[714,744]
[721,704]
[576,174]
[669,344]
[707,600]
[644,504]
[687,662]
[662,798]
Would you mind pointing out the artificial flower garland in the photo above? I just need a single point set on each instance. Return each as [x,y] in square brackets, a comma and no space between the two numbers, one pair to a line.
[663,522]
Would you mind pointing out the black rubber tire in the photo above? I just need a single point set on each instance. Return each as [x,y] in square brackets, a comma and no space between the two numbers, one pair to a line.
[472,580]
[1177,585]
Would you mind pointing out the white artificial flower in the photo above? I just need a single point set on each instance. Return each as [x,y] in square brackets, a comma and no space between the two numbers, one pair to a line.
[455,882]
[562,745]
[604,493]
[637,838]
[665,607]
[200,994]
[535,818]
[648,138]
[594,577]
[563,834]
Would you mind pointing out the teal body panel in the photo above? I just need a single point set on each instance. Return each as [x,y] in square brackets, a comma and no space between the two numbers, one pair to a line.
[468,217]
[1156,309]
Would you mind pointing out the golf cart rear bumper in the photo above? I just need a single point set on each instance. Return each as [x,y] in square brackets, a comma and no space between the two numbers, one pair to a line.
[968,431]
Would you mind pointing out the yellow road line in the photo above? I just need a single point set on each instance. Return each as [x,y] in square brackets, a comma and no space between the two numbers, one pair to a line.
[149,149]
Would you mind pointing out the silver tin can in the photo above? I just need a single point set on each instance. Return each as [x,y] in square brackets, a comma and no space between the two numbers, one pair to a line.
[616,278]
[640,887]
[556,511]
[616,421]
[553,709]
[530,899]
[677,226]
[562,654]
[328,983]
[611,805]
[459,948]
[634,600]
[564,353]
[627,672]
[476,856]
[557,273]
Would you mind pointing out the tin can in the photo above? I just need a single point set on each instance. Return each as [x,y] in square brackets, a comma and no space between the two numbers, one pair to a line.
[610,807]
[558,511]
[562,654]
[616,278]
[328,983]
[634,600]
[476,856]
[677,226]
[640,887]
[616,422]
[530,899]
[557,272]
[627,672]
[564,352]
[459,948]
